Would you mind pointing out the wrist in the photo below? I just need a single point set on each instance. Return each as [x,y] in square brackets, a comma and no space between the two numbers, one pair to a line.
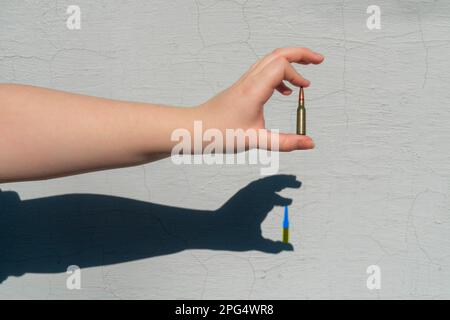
[161,125]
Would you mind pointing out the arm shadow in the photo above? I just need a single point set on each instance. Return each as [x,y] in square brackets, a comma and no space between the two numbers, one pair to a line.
[46,235]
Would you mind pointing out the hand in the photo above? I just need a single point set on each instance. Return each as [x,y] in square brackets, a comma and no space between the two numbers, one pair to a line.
[241,105]
[238,221]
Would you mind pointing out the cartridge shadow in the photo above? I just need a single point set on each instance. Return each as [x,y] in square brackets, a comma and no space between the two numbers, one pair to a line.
[46,235]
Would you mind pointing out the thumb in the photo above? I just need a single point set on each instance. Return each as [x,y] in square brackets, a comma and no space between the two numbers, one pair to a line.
[285,142]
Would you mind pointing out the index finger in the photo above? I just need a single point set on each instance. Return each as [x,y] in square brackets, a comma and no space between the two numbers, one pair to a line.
[299,55]
[296,55]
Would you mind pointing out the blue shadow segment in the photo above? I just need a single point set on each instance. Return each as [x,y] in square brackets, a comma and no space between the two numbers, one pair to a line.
[46,235]
[286,218]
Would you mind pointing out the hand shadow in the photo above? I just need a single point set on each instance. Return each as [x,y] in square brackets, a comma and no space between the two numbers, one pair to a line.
[46,235]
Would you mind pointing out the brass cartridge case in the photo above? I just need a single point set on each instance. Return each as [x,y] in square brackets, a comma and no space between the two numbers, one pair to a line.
[301,114]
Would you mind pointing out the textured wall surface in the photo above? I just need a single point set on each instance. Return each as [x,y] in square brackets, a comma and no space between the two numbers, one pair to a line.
[375,191]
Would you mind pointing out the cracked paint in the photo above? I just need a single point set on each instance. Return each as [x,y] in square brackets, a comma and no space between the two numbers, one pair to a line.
[374,191]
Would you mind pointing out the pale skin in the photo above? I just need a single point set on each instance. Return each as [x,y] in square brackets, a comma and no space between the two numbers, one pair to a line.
[46,133]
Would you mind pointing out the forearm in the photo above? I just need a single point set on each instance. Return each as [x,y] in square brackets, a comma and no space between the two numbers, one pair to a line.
[46,133]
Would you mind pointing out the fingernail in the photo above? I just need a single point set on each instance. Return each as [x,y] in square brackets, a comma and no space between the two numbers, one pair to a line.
[310,145]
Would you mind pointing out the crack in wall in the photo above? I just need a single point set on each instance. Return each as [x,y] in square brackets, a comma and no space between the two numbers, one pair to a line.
[425,76]
[344,83]
[411,223]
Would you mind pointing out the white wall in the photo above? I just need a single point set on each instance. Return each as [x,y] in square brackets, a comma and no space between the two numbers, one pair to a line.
[374,191]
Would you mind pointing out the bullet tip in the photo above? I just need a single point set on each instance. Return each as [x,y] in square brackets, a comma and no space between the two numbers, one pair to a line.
[301,96]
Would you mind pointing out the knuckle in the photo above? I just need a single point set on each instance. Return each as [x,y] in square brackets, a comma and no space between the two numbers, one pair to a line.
[286,63]
[278,52]
[302,51]
[280,61]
